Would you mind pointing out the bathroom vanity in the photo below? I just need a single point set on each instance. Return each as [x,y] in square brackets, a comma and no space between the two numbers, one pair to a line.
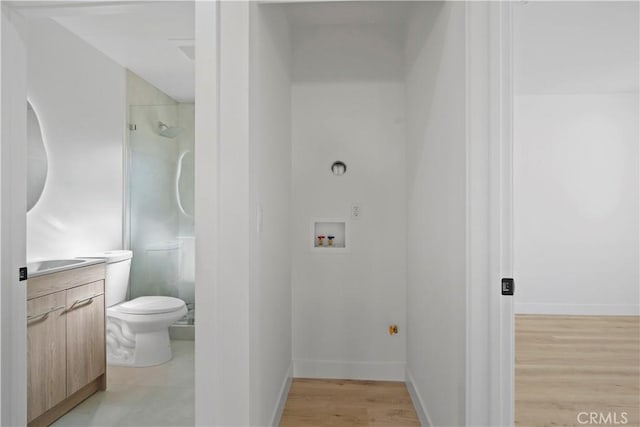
[66,360]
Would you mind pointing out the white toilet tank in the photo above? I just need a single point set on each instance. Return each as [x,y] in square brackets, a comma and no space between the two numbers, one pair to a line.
[116,282]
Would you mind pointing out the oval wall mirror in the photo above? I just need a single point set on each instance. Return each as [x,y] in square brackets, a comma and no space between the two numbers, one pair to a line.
[37,164]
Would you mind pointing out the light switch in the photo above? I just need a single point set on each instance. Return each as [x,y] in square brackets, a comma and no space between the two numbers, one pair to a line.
[259,218]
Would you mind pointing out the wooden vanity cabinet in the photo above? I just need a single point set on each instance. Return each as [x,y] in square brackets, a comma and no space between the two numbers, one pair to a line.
[66,358]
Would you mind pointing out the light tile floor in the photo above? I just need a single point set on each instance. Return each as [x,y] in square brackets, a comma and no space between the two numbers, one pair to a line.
[155,396]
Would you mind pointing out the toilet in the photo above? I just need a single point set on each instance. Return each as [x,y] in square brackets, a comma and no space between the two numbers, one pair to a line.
[138,329]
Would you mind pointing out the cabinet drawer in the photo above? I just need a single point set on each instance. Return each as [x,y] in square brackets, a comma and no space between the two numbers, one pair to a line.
[46,353]
[82,294]
[54,282]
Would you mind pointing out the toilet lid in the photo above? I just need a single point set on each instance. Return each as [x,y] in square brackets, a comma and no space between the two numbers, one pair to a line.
[151,305]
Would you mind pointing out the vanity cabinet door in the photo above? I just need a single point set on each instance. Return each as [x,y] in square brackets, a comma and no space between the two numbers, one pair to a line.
[46,349]
[85,335]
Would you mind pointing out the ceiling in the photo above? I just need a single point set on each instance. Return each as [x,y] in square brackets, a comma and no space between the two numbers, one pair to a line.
[576,47]
[559,47]
[348,41]
[154,39]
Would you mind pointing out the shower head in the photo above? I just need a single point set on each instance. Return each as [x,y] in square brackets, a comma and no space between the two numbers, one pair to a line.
[168,131]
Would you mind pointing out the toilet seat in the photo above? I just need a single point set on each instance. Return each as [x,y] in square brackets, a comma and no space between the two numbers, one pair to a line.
[151,305]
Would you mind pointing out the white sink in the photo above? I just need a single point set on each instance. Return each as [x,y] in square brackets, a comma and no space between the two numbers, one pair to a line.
[40,268]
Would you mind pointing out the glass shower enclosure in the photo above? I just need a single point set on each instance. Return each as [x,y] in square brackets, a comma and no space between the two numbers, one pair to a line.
[160,179]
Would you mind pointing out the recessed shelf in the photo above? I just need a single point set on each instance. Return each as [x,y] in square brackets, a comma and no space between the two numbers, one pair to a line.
[329,235]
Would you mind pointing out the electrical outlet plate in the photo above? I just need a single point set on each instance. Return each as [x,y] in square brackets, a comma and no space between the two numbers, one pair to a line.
[356,211]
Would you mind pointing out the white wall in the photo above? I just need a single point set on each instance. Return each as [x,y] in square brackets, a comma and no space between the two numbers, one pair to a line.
[79,96]
[343,303]
[347,53]
[576,158]
[270,160]
[228,197]
[436,176]
[576,204]
[246,140]
[575,47]
[209,357]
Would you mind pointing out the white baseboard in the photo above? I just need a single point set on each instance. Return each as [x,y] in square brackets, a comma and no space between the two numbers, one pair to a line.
[282,401]
[418,404]
[579,309]
[380,371]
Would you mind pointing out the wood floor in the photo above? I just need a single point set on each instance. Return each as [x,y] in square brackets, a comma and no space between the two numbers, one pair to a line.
[313,402]
[566,365]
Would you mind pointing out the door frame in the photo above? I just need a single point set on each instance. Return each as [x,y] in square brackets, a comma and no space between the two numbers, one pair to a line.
[501,194]
[490,359]
[13,208]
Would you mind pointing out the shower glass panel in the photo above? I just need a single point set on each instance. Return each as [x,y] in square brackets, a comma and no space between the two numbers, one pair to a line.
[160,202]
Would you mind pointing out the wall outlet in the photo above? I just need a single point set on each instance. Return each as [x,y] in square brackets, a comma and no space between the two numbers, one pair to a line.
[356,211]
